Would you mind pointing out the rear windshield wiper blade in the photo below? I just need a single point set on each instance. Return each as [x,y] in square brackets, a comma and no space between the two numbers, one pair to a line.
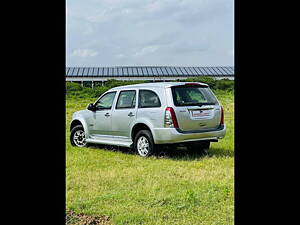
[199,104]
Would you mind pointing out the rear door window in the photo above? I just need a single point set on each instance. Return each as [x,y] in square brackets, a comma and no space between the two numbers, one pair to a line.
[193,95]
[148,99]
[126,100]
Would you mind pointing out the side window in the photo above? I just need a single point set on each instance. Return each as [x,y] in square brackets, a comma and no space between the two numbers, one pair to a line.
[106,101]
[126,100]
[148,99]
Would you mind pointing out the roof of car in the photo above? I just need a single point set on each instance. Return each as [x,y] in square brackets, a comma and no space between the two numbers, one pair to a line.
[156,85]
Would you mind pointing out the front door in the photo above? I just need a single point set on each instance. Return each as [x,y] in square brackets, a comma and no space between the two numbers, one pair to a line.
[124,114]
[103,115]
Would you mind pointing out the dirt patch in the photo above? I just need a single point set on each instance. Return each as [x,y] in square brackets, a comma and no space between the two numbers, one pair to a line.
[73,218]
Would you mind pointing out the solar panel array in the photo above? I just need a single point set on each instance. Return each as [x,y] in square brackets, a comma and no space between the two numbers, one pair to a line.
[144,71]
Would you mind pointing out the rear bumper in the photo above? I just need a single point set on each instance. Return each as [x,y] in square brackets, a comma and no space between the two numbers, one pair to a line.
[173,135]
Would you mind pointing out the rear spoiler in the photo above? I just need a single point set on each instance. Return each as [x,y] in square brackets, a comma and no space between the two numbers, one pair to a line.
[192,84]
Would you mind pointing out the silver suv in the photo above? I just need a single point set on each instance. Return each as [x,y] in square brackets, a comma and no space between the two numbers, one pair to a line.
[146,116]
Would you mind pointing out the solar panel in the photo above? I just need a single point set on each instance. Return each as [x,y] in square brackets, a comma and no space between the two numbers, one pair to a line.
[178,71]
[105,71]
[227,70]
[70,71]
[100,72]
[223,71]
[202,70]
[189,72]
[114,72]
[80,71]
[135,71]
[75,71]
[152,71]
[118,71]
[145,72]
[130,72]
[214,71]
[211,71]
[173,71]
[85,71]
[199,72]
[164,71]
[90,72]
[125,71]
[182,71]
[108,72]
[159,71]
[169,71]
[140,71]
[231,69]
[194,72]
[207,71]
[149,71]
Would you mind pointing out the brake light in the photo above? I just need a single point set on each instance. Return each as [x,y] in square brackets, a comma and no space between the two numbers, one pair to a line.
[170,118]
[222,116]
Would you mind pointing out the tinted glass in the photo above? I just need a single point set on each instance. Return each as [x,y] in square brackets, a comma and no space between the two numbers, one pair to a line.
[184,96]
[106,101]
[126,100]
[148,99]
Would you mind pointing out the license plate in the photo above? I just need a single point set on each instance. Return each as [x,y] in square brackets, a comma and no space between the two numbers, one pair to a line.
[198,113]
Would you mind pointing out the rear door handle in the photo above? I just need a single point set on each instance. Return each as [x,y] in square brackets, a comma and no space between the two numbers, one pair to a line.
[130,114]
[107,114]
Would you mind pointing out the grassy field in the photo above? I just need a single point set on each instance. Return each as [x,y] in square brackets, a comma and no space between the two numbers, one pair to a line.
[173,188]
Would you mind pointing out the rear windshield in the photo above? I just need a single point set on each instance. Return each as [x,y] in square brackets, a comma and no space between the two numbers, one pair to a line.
[186,95]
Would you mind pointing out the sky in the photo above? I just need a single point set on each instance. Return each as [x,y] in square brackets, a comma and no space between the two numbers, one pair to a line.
[150,33]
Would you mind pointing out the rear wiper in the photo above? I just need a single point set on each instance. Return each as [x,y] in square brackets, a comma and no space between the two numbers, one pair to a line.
[199,104]
[192,104]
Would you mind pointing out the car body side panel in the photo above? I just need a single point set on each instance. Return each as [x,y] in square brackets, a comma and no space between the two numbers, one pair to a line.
[154,116]
[84,116]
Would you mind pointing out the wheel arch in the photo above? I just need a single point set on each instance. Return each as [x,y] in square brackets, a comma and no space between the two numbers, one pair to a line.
[137,127]
[75,123]
[79,121]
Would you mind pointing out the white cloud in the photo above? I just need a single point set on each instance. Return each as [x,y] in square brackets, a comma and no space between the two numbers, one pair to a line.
[84,52]
[119,55]
[146,50]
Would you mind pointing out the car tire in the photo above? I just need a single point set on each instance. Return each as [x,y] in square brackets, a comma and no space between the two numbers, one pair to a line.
[143,143]
[77,137]
[201,147]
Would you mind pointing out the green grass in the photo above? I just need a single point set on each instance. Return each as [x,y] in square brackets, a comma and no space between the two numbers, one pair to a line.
[175,189]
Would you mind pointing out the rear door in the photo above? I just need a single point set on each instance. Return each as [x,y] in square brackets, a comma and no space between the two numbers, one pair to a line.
[124,114]
[196,107]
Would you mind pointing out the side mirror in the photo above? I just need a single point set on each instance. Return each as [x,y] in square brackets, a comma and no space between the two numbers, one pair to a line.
[91,107]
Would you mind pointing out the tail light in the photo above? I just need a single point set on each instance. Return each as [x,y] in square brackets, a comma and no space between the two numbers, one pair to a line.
[170,118]
[222,116]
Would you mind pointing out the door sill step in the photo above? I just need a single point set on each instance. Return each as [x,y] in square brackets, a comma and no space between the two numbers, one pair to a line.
[116,142]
